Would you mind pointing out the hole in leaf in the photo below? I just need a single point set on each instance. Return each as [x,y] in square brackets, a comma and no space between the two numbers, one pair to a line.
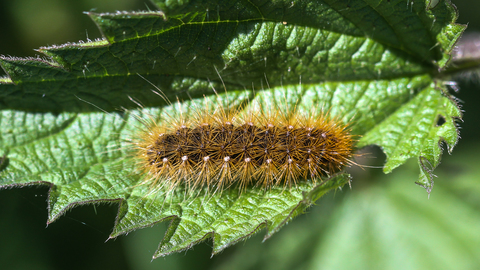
[440,120]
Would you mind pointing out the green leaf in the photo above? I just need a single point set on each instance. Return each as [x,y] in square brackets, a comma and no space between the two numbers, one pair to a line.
[371,64]
[439,234]
[414,131]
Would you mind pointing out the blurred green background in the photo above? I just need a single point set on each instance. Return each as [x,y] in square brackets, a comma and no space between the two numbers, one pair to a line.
[383,222]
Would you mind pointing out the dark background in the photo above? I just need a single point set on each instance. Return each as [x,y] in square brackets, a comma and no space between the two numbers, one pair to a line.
[77,240]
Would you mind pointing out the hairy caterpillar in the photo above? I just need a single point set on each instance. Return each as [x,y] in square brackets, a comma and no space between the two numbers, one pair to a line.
[215,147]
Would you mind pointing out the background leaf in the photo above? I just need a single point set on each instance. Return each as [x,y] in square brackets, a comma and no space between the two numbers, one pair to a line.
[366,71]
[383,223]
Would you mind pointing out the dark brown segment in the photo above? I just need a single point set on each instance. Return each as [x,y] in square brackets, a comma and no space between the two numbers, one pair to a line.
[306,152]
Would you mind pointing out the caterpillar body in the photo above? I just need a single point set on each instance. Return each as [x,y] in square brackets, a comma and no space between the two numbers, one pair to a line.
[217,148]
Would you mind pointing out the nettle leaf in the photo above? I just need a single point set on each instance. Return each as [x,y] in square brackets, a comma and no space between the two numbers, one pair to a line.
[65,118]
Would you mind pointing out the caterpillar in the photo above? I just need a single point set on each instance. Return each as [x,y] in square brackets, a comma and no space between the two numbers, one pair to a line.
[215,148]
